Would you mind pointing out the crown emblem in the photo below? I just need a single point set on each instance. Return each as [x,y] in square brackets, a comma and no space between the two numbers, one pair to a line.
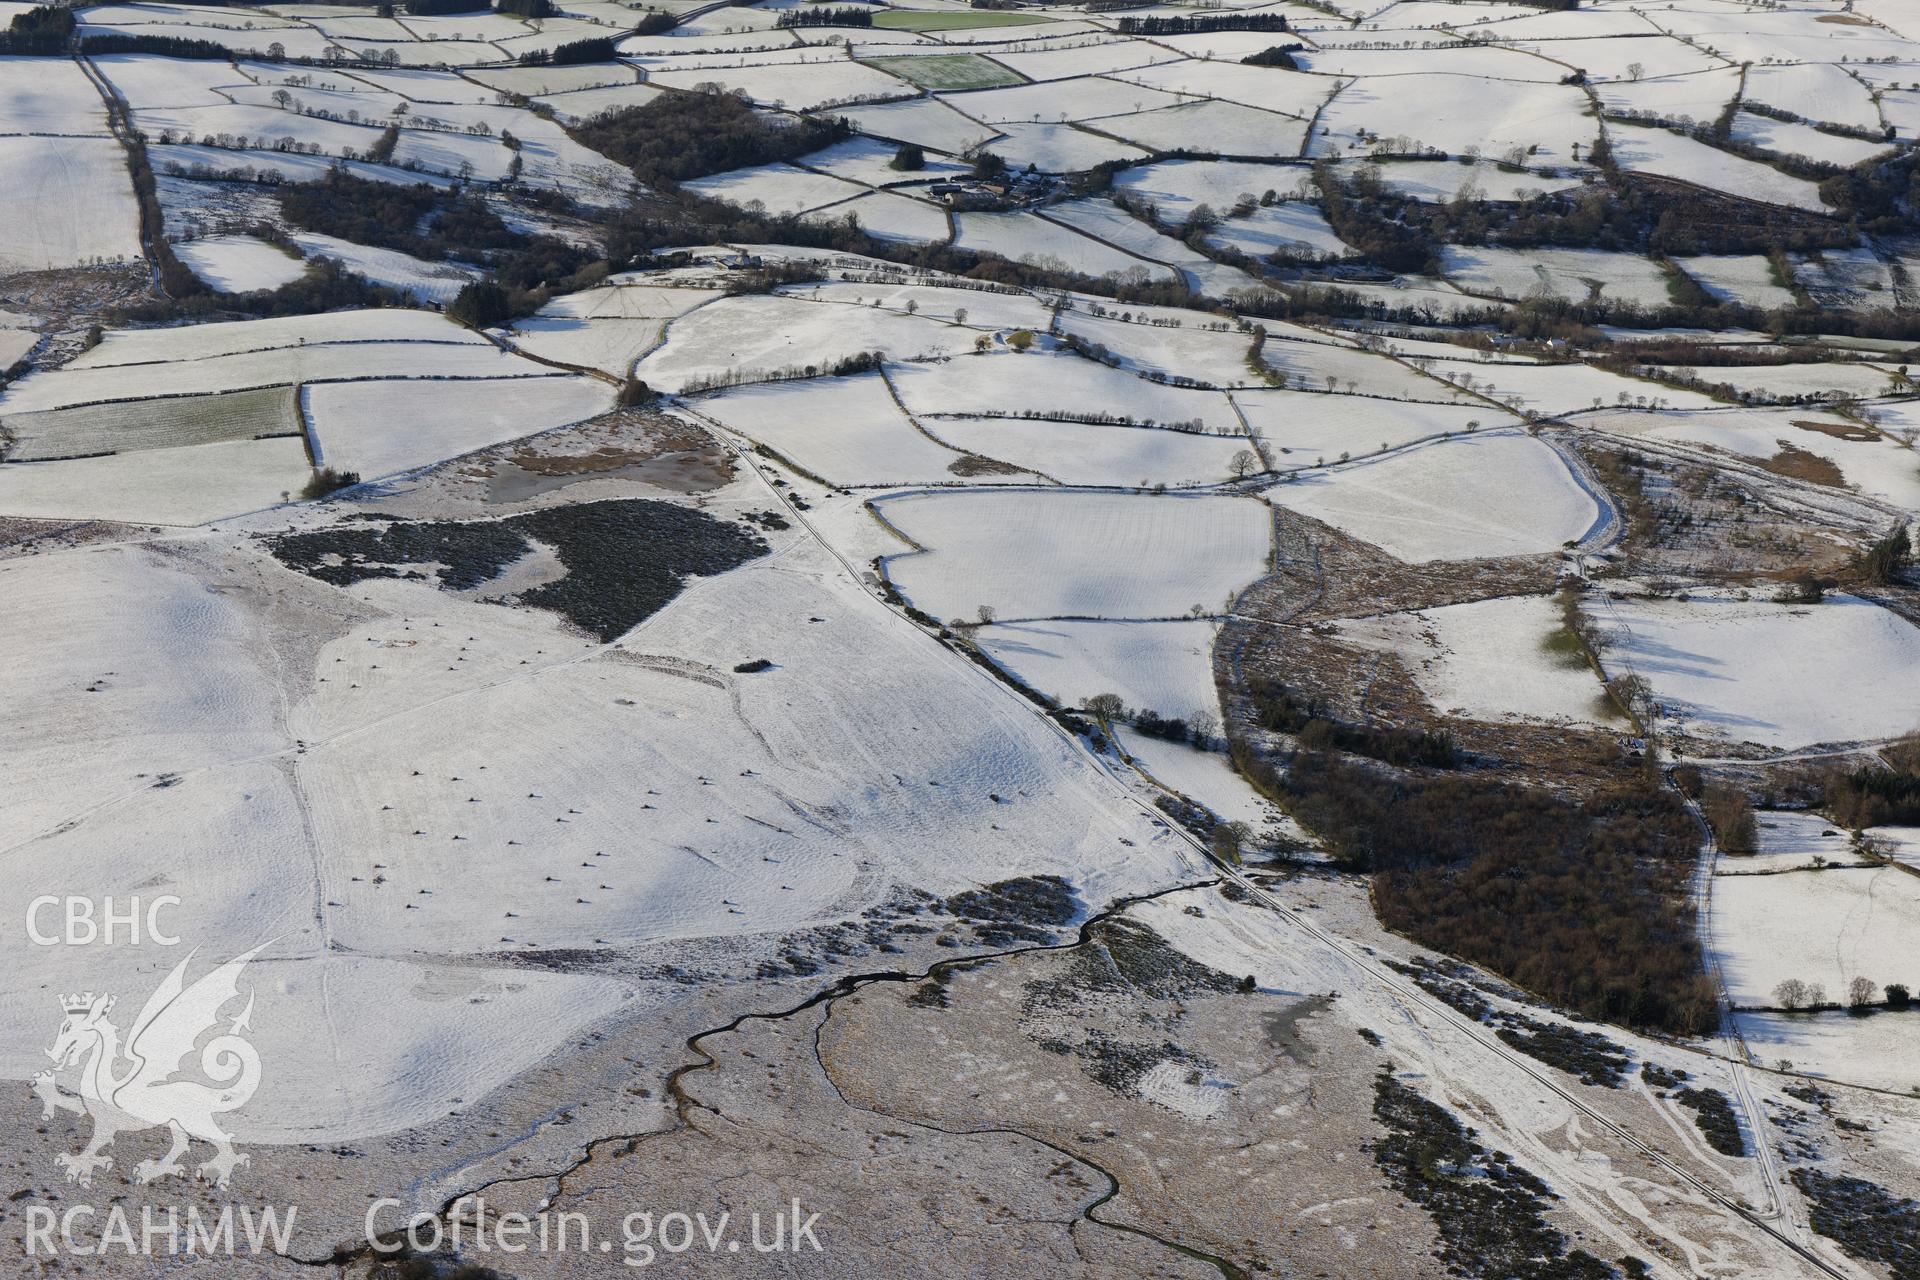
[79,1003]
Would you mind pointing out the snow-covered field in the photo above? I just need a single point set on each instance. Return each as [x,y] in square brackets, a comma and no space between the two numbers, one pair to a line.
[1308,431]
[1178,187]
[1117,227]
[377,428]
[188,485]
[1193,126]
[1493,494]
[776,188]
[847,431]
[1489,660]
[1313,362]
[1455,112]
[70,203]
[49,96]
[610,345]
[1153,666]
[1095,454]
[1441,180]
[1168,342]
[1735,278]
[1779,675]
[320,362]
[1056,385]
[1563,388]
[1826,927]
[1877,1052]
[239,264]
[202,341]
[422,281]
[1023,237]
[1574,274]
[1058,148]
[1672,155]
[926,121]
[741,338]
[1041,554]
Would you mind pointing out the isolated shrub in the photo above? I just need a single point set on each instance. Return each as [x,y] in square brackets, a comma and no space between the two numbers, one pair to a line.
[1229,839]
[909,158]
[1881,564]
[326,480]
[1804,587]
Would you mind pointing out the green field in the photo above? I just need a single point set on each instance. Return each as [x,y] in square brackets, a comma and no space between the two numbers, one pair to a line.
[947,20]
[948,71]
[167,423]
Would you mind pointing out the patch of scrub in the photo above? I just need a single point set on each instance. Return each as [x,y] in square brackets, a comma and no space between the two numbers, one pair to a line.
[625,558]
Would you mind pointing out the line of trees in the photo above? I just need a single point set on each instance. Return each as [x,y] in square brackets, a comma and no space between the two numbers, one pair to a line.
[1797,995]
[163,46]
[1200,24]
[573,53]
[852,15]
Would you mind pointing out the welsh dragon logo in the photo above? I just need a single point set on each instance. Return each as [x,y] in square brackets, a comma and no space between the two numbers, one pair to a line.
[129,1087]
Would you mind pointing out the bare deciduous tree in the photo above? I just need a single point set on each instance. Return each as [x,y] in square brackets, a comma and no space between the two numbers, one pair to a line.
[1204,726]
[1229,838]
